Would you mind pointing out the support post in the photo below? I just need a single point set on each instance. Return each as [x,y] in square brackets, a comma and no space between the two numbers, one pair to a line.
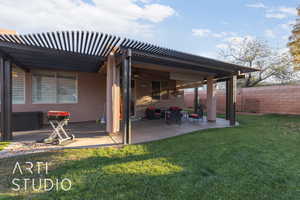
[227,99]
[6,99]
[126,96]
[196,100]
[2,95]
[112,96]
[232,100]
[211,100]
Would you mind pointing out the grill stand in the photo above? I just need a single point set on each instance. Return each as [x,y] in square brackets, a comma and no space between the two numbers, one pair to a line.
[59,132]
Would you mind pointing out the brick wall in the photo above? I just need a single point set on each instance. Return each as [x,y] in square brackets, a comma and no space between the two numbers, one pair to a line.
[268,99]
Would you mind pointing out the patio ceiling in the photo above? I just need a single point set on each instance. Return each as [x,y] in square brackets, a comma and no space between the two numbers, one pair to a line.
[87,51]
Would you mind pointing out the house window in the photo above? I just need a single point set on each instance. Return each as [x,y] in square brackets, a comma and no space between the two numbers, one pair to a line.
[54,87]
[165,92]
[18,86]
[160,90]
[156,90]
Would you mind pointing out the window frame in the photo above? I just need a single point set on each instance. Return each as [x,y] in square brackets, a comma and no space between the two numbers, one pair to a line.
[56,88]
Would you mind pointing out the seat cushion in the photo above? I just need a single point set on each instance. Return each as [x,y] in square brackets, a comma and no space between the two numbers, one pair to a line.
[194,115]
[151,108]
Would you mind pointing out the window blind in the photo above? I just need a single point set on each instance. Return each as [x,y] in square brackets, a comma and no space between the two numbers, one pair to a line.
[67,88]
[54,87]
[18,86]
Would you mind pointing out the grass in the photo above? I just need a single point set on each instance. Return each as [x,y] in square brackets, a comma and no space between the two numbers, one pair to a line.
[260,159]
[3,145]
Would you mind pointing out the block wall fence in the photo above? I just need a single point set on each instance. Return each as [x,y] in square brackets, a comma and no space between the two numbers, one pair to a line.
[267,99]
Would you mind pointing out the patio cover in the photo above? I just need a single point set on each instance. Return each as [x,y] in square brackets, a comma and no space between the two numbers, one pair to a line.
[87,51]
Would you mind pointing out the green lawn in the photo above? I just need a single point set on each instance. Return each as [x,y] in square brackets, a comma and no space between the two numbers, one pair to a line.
[260,159]
[3,145]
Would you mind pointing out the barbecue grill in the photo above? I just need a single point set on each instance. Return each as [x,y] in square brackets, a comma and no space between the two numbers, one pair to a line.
[58,120]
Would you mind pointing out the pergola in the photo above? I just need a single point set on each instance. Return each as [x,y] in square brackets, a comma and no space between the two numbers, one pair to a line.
[90,52]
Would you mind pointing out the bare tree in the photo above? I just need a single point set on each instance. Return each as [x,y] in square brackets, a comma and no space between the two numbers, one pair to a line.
[273,65]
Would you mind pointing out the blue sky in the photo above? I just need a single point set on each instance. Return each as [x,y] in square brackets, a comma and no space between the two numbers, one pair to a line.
[235,16]
[196,26]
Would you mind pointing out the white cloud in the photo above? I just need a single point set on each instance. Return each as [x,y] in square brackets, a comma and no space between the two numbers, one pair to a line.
[209,54]
[126,17]
[256,5]
[201,32]
[234,42]
[156,12]
[285,37]
[222,46]
[238,39]
[287,26]
[279,12]
[210,33]
[288,10]
[276,15]
[270,33]
[224,22]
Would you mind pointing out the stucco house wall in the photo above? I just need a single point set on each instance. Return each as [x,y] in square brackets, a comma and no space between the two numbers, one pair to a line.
[91,98]
[91,89]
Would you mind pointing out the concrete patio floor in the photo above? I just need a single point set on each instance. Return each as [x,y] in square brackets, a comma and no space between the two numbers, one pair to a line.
[146,130]
[91,135]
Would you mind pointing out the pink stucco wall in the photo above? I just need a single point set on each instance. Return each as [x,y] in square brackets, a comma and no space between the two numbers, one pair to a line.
[91,98]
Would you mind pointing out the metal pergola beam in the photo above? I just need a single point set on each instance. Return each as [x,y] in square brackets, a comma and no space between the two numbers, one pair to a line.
[27,60]
[179,64]
[13,47]
[6,98]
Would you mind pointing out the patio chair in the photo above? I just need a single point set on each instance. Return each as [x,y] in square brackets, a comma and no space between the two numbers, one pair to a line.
[152,113]
[174,115]
[198,115]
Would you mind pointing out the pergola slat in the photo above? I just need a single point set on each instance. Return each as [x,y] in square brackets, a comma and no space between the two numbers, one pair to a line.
[105,45]
[45,38]
[94,43]
[100,45]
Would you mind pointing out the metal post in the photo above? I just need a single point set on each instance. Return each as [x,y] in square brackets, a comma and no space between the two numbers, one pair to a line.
[6,99]
[196,100]
[124,83]
[2,89]
[227,99]
[232,99]
[128,139]
[126,97]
